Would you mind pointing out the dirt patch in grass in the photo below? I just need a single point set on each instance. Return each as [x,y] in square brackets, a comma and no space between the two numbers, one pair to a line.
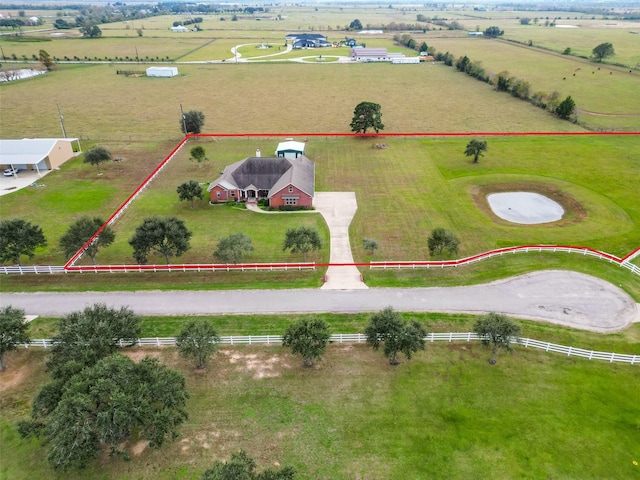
[261,365]
[139,353]
[12,377]
[139,447]
[574,211]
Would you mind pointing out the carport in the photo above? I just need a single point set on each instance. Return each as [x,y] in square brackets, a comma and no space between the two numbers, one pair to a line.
[37,153]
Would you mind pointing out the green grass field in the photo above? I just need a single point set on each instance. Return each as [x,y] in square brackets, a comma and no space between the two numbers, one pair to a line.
[445,414]
[99,105]
[596,88]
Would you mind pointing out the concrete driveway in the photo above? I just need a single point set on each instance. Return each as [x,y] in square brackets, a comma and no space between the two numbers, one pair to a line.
[338,209]
[21,180]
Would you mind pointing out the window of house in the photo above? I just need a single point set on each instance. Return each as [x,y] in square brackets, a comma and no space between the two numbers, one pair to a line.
[290,188]
[290,201]
[218,194]
[233,194]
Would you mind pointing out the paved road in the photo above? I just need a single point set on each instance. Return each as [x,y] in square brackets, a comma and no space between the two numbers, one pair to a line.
[567,298]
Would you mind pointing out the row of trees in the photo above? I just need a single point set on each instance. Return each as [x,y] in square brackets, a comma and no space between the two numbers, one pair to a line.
[169,237]
[387,330]
[518,88]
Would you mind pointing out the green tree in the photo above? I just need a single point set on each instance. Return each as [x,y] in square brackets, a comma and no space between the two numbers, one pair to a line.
[603,51]
[566,108]
[308,337]
[167,236]
[303,240]
[424,47]
[355,25]
[90,30]
[84,338]
[242,467]
[192,122]
[111,402]
[493,32]
[198,340]
[388,327]
[89,335]
[497,330]
[370,245]
[440,240]
[13,331]
[189,191]
[46,60]
[475,148]
[96,156]
[367,115]
[79,234]
[234,248]
[19,237]
[199,155]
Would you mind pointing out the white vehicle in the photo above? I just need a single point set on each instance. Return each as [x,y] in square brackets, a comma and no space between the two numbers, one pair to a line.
[9,172]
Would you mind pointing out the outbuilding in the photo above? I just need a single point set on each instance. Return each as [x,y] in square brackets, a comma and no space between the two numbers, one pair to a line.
[37,153]
[162,71]
[290,149]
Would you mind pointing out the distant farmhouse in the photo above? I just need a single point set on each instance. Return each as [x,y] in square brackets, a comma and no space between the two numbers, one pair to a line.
[285,180]
[179,29]
[307,40]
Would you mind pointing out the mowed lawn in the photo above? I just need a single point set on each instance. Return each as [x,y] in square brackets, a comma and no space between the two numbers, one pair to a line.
[211,223]
[445,414]
[403,191]
[413,186]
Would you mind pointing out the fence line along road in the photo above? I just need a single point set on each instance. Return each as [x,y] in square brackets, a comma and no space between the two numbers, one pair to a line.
[585,251]
[360,338]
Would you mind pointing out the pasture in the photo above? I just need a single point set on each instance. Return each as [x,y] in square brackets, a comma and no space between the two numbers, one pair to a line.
[99,105]
[601,89]
[446,413]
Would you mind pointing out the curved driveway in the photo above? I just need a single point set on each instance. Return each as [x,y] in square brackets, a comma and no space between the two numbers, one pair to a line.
[566,298]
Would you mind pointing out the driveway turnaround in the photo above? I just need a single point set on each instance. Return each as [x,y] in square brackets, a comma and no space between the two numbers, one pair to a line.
[566,298]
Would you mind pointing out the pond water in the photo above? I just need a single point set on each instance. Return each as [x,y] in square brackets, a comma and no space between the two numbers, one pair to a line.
[525,207]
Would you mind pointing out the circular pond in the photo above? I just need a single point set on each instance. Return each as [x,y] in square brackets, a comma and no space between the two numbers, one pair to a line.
[525,207]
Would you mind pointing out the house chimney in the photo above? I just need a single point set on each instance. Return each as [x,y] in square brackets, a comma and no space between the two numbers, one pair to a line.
[257,152]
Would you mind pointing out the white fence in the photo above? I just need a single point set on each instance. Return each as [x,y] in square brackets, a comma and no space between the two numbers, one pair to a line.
[496,253]
[32,269]
[360,338]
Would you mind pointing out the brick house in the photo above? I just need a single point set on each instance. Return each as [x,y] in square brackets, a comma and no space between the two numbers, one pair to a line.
[284,181]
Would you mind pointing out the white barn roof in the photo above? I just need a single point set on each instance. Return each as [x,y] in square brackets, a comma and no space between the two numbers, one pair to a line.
[290,146]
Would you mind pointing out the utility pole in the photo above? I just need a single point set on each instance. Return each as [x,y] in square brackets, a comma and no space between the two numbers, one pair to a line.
[64,133]
[137,57]
[184,120]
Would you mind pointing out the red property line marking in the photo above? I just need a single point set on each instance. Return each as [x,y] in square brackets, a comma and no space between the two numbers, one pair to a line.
[69,266]
[294,266]
[412,134]
[79,253]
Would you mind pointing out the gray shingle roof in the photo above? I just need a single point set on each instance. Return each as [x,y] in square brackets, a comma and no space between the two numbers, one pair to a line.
[269,173]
